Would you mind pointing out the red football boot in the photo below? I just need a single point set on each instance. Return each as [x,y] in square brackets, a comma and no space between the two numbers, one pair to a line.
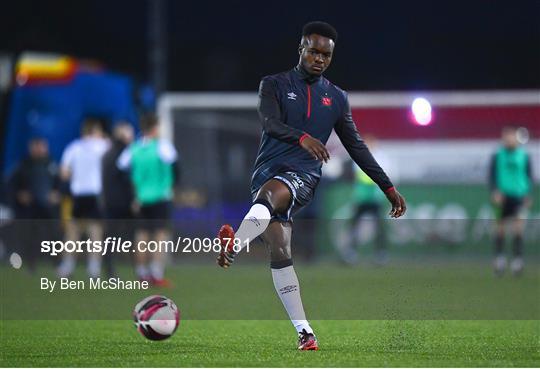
[226,239]
[307,341]
[163,282]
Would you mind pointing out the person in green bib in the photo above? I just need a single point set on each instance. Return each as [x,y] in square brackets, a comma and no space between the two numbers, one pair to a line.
[510,181]
[151,162]
[368,206]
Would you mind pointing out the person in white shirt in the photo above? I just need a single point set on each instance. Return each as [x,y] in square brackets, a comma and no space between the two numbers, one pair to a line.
[81,166]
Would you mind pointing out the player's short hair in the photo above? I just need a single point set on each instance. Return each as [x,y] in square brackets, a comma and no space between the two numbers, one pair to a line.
[37,140]
[148,121]
[91,125]
[510,128]
[320,28]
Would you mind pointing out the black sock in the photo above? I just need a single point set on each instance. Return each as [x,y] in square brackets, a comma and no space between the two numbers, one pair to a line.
[518,246]
[281,264]
[499,244]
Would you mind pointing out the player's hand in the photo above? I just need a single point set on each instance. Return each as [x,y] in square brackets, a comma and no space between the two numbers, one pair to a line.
[135,207]
[497,198]
[315,148]
[24,197]
[53,197]
[398,203]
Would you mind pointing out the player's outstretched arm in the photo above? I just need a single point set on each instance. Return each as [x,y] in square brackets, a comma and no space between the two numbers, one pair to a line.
[348,134]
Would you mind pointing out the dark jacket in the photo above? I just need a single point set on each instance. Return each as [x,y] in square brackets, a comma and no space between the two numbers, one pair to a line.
[117,189]
[292,104]
[39,177]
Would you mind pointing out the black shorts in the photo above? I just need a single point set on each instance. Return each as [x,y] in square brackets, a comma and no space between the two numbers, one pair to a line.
[302,188]
[511,207]
[155,216]
[86,207]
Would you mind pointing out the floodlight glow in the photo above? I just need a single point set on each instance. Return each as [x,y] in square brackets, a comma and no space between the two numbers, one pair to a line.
[421,109]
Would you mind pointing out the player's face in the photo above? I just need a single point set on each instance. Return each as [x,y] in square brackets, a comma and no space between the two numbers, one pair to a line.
[38,149]
[510,138]
[316,53]
[124,133]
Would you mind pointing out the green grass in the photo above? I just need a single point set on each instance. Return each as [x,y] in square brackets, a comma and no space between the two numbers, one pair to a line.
[272,344]
[450,314]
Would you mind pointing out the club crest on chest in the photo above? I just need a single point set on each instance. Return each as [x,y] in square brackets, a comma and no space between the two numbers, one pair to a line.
[326,101]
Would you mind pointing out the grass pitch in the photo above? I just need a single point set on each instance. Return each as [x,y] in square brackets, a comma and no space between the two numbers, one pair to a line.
[379,319]
[272,344]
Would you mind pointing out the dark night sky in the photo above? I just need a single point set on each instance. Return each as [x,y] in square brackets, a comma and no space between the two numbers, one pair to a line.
[382,45]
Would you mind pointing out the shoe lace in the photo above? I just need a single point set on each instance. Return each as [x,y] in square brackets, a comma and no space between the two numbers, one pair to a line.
[304,335]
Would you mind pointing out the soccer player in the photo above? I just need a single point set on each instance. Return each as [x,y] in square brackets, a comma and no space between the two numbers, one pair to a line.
[117,192]
[35,187]
[298,110]
[81,166]
[510,181]
[152,164]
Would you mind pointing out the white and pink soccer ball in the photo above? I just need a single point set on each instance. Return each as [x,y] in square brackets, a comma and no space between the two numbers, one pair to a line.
[156,317]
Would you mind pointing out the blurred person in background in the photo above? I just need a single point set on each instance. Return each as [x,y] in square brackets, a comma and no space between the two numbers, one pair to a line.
[81,166]
[368,205]
[510,181]
[34,187]
[153,166]
[117,192]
